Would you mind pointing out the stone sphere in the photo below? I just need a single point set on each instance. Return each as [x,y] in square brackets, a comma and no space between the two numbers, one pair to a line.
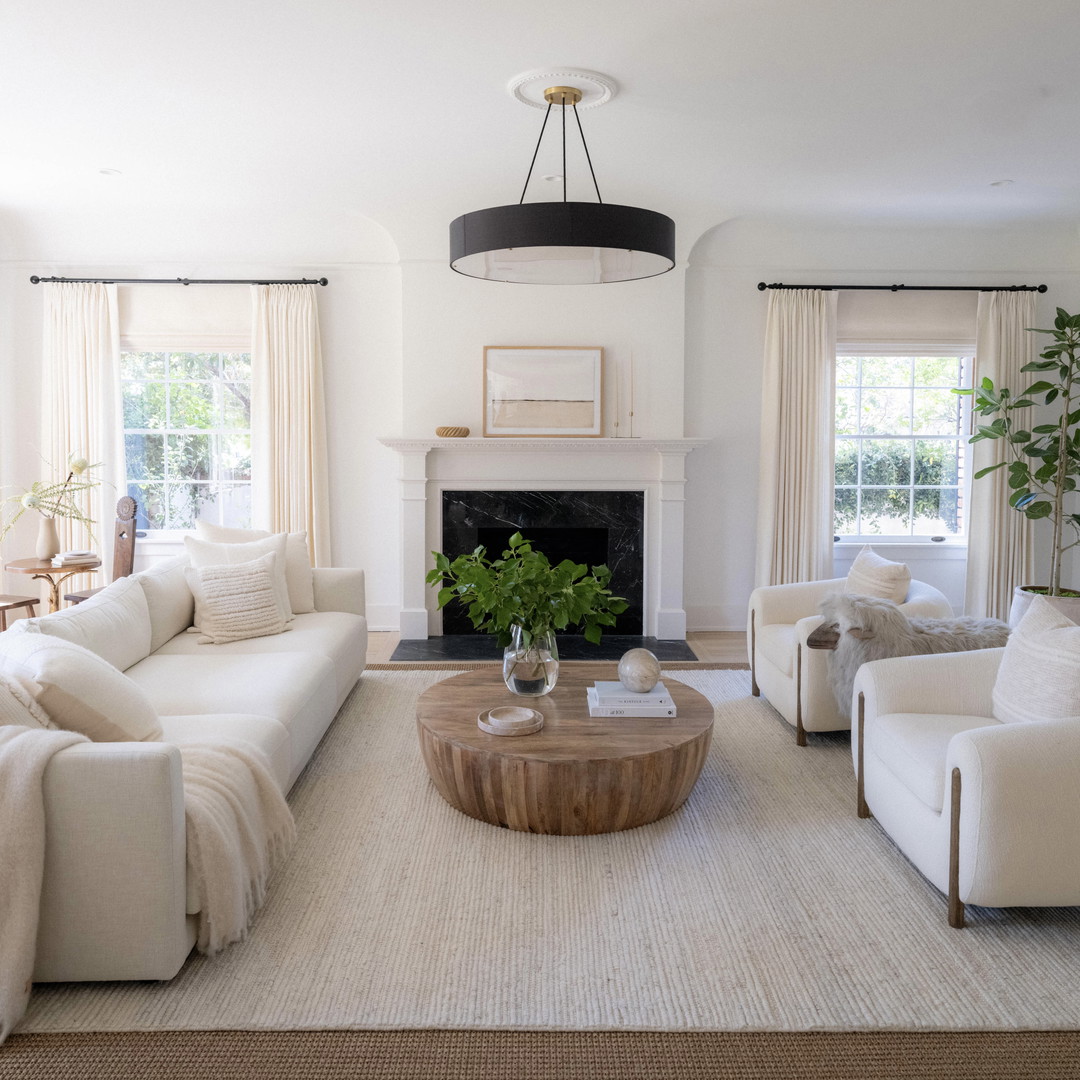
[639,671]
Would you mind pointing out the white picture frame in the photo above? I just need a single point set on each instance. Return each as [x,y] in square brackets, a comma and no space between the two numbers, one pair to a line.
[539,391]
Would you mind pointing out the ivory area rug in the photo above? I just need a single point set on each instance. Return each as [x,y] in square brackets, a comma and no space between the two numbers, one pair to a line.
[763,904]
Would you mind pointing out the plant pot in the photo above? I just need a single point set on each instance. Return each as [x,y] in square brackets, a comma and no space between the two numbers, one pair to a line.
[1069,606]
[532,671]
[48,542]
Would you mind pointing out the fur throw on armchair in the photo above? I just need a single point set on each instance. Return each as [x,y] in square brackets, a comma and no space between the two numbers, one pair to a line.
[873,629]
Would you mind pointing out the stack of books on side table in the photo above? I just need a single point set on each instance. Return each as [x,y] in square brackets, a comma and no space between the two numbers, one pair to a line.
[613,699]
[73,558]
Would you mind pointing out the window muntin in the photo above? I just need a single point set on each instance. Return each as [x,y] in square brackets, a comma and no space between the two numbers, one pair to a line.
[187,437]
[901,446]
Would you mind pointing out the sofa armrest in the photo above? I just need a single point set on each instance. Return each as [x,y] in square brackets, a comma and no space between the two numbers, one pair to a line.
[114,891]
[790,603]
[339,589]
[1019,805]
[926,601]
[955,684]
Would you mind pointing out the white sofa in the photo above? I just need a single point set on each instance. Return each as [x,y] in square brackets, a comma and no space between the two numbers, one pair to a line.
[793,677]
[116,902]
[986,810]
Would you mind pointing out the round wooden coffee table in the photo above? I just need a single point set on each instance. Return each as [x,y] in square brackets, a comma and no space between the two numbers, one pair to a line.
[578,774]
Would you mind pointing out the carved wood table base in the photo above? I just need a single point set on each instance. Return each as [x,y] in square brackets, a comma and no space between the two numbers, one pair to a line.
[579,774]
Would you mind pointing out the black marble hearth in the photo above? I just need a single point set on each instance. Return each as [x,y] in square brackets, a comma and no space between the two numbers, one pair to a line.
[592,527]
[485,647]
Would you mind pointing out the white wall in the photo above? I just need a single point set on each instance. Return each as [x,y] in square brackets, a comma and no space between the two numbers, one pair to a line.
[725,324]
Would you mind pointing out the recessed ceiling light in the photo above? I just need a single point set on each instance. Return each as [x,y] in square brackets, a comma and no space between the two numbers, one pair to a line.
[1001,183]
[553,178]
[110,172]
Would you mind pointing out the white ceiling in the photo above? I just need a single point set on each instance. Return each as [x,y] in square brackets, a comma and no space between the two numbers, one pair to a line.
[273,129]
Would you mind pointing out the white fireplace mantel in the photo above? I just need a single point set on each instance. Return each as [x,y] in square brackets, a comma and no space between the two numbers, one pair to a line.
[653,466]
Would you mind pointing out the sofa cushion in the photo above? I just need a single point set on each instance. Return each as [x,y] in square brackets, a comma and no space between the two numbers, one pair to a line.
[777,643]
[263,732]
[233,603]
[114,624]
[19,708]
[168,599]
[872,575]
[912,746]
[297,559]
[337,635]
[1039,675]
[206,553]
[79,690]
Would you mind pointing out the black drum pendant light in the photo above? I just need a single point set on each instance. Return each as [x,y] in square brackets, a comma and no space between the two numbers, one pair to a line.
[562,243]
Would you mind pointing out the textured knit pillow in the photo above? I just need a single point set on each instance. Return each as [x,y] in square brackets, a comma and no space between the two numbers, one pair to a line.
[78,690]
[18,707]
[1039,676]
[237,601]
[206,553]
[871,575]
[297,559]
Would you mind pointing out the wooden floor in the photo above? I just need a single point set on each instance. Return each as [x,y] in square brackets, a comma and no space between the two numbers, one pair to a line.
[718,647]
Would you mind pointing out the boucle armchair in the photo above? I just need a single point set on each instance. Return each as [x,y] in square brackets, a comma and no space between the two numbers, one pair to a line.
[793,677]
[986,809]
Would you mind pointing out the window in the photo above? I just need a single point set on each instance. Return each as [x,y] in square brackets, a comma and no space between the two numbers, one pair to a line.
[901,446]
[187,437]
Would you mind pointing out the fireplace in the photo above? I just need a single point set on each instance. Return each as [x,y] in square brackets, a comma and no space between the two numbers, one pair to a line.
[591,527]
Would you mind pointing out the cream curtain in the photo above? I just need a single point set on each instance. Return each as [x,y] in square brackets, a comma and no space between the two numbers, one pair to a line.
[290,491]
[999,537]
[80,403]
[795,494]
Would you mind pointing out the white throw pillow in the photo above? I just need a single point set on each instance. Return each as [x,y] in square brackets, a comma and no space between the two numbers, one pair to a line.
[297,559]
[207,553]
[168,599]
[236,602]
[871,575]
[1039,676]
[18,707]
[78,690]
[114,624]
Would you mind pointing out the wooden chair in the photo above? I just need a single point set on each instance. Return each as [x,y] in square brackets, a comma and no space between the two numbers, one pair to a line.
[123,547]
[13,603]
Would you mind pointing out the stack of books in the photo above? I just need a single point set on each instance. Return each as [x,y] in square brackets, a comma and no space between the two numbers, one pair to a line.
[613,699]
[73,559]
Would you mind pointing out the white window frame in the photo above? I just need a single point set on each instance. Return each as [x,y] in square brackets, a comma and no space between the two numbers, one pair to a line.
[961,351]
[174,537]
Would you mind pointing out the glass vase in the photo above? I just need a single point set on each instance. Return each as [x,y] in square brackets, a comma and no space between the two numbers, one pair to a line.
[532,671]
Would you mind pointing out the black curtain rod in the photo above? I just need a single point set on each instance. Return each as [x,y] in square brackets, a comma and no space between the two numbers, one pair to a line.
[35,280]
[909,288]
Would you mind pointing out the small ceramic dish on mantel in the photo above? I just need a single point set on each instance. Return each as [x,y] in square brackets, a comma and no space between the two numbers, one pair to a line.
[510,720]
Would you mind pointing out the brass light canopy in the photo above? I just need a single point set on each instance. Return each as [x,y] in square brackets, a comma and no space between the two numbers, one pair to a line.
[562,243]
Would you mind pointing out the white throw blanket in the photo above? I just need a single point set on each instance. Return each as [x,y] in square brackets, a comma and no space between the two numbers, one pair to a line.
[238,828]
[24,754]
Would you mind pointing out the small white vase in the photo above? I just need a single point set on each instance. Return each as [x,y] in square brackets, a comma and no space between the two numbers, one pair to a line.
[48,542]
[1069,606]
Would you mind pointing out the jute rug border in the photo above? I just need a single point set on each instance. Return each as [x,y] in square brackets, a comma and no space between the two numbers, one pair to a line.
[536,1055]
[473,665]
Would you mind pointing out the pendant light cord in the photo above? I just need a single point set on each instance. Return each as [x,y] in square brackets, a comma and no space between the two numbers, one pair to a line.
[535,152]
[588,158]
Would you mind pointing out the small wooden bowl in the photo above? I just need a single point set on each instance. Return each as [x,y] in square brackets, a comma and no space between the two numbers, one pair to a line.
[451,432]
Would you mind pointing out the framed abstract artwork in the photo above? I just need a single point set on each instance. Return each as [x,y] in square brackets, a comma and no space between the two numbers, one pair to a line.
[533,390]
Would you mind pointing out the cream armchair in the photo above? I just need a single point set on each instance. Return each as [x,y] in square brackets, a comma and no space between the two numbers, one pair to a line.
[793,677]
[986,811]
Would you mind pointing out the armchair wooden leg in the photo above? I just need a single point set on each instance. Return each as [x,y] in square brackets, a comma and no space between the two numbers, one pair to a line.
[956,905]
[800,732]
[754,688]
[861,808]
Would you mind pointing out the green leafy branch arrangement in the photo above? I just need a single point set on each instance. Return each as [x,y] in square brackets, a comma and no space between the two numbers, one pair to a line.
[1043,462]
[524,589]
[57,498]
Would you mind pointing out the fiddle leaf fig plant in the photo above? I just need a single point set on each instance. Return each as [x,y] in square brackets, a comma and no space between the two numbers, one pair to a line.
[1043,461]
[522,588]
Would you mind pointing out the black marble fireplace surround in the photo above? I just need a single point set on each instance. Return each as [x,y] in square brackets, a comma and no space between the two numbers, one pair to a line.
[591,527]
